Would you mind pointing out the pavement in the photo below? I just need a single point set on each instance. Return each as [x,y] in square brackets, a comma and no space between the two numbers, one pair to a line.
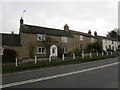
[94,74]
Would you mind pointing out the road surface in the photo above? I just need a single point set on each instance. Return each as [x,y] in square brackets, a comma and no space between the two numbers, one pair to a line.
[94,74]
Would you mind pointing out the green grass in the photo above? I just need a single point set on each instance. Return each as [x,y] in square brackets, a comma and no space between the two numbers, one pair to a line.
[44,64]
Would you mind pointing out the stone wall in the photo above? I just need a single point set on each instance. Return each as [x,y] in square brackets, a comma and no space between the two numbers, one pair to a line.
[30,44]
[86,40]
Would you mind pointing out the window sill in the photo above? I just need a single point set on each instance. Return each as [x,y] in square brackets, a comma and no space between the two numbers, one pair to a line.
[41,53]
[41,40]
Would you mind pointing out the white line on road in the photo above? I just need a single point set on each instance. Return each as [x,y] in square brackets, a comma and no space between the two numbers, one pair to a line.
[55,76]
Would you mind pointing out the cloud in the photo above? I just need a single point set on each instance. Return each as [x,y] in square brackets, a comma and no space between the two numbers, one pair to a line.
[80,16]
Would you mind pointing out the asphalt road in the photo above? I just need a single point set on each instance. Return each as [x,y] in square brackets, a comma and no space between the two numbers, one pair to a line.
[95,74]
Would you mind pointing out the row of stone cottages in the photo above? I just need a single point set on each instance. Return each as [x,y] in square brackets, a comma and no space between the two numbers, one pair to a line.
[42,41]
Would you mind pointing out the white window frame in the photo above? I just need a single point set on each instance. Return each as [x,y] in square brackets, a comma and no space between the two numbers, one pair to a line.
[41,50]
[81,37]
[64,39]
[41,36]
[65,50]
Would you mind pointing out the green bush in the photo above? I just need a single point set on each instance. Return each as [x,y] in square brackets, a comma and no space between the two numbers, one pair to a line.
[42,64]
[9,55]
[93,47]
[78,52]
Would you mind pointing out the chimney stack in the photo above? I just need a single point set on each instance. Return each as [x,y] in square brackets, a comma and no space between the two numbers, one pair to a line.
[12,32]
[95,33]
[89,32]
[66,27]
[21,20]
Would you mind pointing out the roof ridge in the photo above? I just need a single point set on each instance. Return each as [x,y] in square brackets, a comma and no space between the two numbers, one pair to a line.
[106,37]
[79,32]
[82,33]
[43,27]
[8,34]
[45,30]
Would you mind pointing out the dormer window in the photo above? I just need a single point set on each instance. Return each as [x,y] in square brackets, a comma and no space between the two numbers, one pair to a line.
[41,37]
[64,39]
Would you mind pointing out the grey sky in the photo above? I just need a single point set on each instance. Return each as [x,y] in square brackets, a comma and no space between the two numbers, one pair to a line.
[80,16]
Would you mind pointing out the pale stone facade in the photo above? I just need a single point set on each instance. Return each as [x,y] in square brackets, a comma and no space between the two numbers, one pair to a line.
[109,44]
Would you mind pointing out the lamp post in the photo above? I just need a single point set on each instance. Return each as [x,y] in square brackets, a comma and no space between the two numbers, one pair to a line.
[24,12]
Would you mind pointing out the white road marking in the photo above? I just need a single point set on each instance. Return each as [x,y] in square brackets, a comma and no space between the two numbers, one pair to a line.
[55,76]
[51,68]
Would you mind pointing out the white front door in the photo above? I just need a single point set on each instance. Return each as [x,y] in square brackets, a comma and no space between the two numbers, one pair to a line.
[53,51]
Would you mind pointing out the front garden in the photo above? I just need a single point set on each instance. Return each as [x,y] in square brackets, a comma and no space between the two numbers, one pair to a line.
[52,62]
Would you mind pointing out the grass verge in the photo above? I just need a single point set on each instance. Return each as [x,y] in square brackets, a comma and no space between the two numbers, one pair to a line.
[44,64]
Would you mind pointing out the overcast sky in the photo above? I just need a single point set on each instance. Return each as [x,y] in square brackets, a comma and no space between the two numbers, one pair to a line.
[80,16]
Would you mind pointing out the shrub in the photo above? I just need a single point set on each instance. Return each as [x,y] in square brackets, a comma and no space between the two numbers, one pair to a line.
[94,47]
[9,55]
[78,52]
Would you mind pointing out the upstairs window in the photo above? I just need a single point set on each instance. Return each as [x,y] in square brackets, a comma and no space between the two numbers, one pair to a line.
[65,50]
[64,39]
[41,37]
[81,37]
[41,50]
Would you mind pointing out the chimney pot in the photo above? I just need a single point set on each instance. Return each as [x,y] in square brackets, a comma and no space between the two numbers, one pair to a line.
[21,20]
[89,32]
[66,27]
[12,32]
[95,33]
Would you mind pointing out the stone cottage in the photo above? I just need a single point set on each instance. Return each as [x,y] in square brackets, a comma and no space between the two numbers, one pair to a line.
[39,41]
[42,41]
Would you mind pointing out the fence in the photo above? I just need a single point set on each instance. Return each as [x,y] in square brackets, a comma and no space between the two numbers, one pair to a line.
[37,59]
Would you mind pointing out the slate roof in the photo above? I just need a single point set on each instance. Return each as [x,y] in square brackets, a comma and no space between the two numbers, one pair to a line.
[10,39]
[106,38]
[81,33]
[44,30]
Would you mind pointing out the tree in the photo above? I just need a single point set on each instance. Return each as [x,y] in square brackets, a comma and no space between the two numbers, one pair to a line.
[94,47]
[9,55]
[97,47]
[48,42]
[78,52]
[115,34]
